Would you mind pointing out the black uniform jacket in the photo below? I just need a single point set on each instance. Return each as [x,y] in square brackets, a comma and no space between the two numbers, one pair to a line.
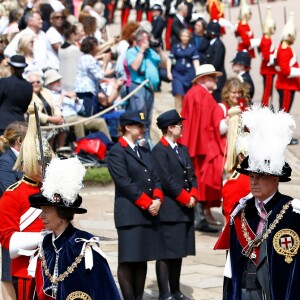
[277,277]
[247,78]
[136,184]
[215,55]
[177,26]
[158,25]
[177,191]
[15,96]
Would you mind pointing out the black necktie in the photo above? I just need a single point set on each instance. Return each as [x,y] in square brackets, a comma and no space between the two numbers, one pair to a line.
[177,152]
[136,150]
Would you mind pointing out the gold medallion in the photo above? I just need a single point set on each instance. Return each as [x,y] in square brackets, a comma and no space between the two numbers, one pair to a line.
[78,296]
[286,242]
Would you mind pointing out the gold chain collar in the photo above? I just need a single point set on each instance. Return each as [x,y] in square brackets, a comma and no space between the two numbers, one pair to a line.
[65,274]
[268,231]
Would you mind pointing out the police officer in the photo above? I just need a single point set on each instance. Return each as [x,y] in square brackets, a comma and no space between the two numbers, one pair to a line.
[174,167]
[138,198]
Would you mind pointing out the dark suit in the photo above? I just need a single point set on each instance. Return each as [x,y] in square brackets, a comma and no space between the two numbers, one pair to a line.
[215,55]
[177,26]
[158,25]
[136,183]
[15,97]
[172,173]
[7,175]
[201,43]
[247,78]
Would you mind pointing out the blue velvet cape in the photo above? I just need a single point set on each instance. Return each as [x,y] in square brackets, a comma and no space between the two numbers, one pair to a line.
[279,279]
[98,283]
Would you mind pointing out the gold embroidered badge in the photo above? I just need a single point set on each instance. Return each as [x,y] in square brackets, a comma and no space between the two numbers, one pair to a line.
[286,242]
[78,296]
[142,116]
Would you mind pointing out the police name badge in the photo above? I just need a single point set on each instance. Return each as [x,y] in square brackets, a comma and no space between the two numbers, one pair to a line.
[286,242]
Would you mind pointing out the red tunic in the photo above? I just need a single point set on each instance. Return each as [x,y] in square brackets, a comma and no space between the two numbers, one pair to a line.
[244,35]
[285,59]
[237,187]
[212,170]
[13,204]
[216,11]
[267,48]
[198,105]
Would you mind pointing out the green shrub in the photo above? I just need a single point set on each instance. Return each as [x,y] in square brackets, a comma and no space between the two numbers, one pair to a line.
[95,176]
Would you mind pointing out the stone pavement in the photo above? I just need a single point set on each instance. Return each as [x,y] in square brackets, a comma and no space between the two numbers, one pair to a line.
[201,274]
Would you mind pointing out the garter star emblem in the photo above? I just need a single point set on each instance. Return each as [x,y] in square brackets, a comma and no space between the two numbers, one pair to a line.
[286,242]
[78,296]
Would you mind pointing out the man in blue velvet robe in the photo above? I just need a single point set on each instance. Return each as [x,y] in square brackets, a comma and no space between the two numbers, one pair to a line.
[263,261]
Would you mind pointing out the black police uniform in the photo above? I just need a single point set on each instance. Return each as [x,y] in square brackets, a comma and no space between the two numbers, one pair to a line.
[136,184]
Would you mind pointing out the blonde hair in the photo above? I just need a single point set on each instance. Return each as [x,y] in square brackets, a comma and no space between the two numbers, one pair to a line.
[13,132]
[24,42]
[35,73]
[27,159]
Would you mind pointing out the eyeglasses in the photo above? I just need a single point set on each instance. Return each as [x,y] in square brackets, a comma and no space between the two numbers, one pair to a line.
[179,126]
[35,82]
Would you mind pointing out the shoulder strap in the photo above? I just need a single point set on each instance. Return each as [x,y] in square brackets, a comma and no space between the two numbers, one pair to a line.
[29,217]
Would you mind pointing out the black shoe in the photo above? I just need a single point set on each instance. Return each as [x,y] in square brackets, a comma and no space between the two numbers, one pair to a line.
[294,141]
[167,298]
[206,228]
[180,296]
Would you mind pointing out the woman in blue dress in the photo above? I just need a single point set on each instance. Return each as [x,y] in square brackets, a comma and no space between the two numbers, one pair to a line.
[181,65]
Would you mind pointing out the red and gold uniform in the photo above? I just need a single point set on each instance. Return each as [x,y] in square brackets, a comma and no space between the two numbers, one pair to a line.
[14,205]
[267,69]
[285,60]
[216,11]
[236,187]
[244,35]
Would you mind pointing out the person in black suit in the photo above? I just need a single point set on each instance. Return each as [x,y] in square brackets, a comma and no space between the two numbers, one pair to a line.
[241,65]
[10,144]
[174,167]
[15,94]
[179,23]
[215,55]
[138,197]
[158,23]
[199,40]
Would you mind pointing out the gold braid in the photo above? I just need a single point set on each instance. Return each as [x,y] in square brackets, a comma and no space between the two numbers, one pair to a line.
[65,274]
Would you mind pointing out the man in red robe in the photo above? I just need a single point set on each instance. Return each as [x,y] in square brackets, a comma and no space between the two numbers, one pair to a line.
[198,105]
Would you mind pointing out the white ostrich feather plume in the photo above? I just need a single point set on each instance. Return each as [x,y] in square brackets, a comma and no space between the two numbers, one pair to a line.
[270,133]
[63,177]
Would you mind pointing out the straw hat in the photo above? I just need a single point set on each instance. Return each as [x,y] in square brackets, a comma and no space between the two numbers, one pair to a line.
[205,70]
[51,76]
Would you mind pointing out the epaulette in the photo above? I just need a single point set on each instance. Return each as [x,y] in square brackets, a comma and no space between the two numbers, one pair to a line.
[235,175]
[242,203]
[296,205]
[14,186]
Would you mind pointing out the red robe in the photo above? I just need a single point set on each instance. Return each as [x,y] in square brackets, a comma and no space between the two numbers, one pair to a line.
[198,105]
[244,35]
[267,48]
[286,58]
[213,166]
[236,187]
[13,204]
